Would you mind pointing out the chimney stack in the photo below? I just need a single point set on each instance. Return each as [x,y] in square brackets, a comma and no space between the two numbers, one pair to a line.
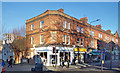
[98,26]
[61,10]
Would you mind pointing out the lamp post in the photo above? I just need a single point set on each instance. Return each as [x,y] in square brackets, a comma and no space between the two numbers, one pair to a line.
[90,33]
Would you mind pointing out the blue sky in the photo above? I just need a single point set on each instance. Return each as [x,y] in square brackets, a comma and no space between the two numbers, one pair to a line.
[15,14]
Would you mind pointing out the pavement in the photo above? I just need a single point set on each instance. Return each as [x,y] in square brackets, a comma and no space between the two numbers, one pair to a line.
[77,67]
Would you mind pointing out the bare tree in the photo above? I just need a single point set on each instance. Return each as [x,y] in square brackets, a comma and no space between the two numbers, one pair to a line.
[19,44]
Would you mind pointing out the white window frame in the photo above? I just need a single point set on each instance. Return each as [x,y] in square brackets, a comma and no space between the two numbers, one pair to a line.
[40,39]
[92,33]
[112,39]
[41,24]
[101,36]
[92,43]
[78,28]
[68,25]
[31,40]
[81,29]
[81,41]
[117,40]
[32,27]
[64,24]
[68,40]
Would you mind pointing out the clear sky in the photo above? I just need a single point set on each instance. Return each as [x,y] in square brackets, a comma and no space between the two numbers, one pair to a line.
[15,14]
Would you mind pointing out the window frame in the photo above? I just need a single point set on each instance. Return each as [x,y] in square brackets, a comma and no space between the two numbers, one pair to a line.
[68,39]
[41,39]
[32,25]
[67,25]
[81,29]
[32,40]
[41,24]
[64,24]
[81,42]
[78,28]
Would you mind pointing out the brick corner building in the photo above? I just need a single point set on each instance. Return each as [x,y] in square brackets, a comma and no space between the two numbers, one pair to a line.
[72,38]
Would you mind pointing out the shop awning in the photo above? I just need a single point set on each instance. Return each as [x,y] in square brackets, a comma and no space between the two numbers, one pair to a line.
[80,49]
[95,53]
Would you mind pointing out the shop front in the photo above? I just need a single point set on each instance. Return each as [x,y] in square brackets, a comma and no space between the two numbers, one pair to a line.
[49,58]
[80,54]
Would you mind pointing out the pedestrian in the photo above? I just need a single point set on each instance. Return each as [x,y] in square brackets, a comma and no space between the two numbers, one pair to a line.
[63,62]
[2,63]
[10,61]
[60,61]
[68,63]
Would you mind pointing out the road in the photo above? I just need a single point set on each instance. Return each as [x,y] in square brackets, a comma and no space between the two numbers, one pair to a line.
[78,67]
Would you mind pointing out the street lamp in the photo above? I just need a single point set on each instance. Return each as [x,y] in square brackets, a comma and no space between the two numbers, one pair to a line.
[91,34]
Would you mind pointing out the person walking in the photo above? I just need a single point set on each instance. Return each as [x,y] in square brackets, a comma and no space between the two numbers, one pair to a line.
[63,63]
[2,63]
[10,61]
[60,61]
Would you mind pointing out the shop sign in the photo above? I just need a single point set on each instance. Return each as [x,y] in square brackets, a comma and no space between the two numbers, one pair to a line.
[80,49]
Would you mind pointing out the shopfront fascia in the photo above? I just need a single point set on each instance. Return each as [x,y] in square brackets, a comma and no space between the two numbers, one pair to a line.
[48,53]
[81,53]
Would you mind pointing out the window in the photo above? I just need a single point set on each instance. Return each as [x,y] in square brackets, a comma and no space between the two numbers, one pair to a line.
[81,29]
[81,41]
[92,33]
[78,29]
[113,39]
[68,39]
[32,27]
[116,40]
[31,40]
[41,39]
[92,43]
[78,41]
[100,35]
[64,40]
[107,38]
[64,24]
[41,24]
[68,25]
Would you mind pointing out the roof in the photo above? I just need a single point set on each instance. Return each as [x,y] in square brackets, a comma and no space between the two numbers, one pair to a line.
[47,12]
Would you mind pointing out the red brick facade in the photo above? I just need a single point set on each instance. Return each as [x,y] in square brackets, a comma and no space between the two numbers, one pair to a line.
[53,22]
